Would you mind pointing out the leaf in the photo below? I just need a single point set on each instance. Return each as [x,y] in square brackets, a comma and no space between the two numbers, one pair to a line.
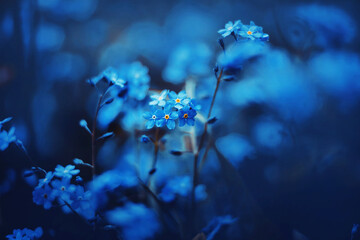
[106,135]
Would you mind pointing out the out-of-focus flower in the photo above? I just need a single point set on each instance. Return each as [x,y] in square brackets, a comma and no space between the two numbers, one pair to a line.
[269,133]
[61,189]
[230,28]
[159,99]
[181,186]
[188,59]
[178,100]
[67,171]
[137,221]
[25,234]
[46,180]
[235,154]
[239,54]
[186,116]
[145,139]
[44,196]
[138,79]
[6,138]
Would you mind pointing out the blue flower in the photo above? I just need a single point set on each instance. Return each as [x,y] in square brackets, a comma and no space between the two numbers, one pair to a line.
[44,181]
[6,138]
[181,185]
[186,116]
[168,117]
[145,139]
[230,28]
[61,189]
[159,99]
[179,100]
[67,171]
[155,117]
[80,201]
[253,32]
[137,221]
[25,234]
[138,80]
[111,76]
[44,196]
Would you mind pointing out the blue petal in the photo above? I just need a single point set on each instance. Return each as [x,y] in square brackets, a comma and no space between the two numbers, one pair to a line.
[170,124]
[160,122]
[150,124]
[190,122]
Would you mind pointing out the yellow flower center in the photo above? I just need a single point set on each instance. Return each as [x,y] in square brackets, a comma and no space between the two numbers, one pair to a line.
[167,116]
[177,100]
[186,115]
[153,117]
[62,188]
[249,32]
[45,196]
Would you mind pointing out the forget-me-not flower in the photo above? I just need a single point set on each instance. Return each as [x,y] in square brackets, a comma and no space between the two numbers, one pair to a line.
[154,118]
[252,32]
[61,189]
[6,138]
[46,180]
[186,116]
[178,100]
[44,196]
[230,28]
[67,171]
[168,117]
[25,234]
[159,99]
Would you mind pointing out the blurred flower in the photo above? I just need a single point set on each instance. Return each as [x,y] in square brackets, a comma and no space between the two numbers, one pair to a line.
[25,234]
[269,133]
[159,99]
[186,60]
[138,79]
[145,139]
[324,23]
[239,54]
[44,181]
[181,186]
[230,28]
[137,221]
[6,138]
[44,196]
[61,189]
[235,148]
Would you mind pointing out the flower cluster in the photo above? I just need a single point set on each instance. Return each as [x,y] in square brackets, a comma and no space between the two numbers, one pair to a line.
[238,29]
[26,234]
[167,107]
[57,187]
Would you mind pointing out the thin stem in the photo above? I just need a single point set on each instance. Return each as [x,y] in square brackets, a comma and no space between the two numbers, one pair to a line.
[93,136]
[196,155]
[155,157]
[202,139]
[21,146]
